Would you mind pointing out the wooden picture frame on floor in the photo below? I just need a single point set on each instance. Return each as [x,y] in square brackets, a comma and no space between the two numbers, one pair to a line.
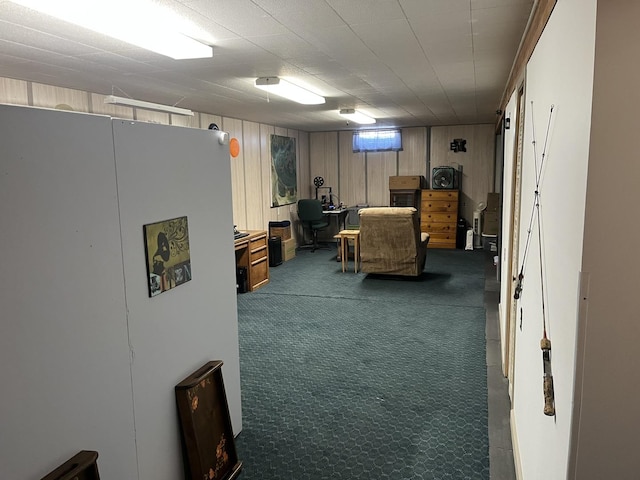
[208,445]
[82,466]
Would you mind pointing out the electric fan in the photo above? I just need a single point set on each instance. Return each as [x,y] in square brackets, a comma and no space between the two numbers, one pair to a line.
[444,178]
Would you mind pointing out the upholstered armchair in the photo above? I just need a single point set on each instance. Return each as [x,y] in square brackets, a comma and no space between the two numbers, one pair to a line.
[391,241]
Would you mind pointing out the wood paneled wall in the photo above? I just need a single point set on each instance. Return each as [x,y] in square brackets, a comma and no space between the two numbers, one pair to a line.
[250,170]
[359,178]
[352,182]
[414,157]
[355,178]
[477,162]
[364,178]
[14,91]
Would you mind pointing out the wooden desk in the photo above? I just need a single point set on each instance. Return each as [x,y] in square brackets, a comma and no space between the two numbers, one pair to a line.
[252,252]
[340,214]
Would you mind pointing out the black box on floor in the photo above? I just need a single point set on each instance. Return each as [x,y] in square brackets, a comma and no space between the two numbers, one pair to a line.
[241,280]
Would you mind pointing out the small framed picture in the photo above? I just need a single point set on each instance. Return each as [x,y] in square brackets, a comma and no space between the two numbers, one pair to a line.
[168,254]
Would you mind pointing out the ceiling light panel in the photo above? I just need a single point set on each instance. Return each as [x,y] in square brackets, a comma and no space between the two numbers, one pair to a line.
[356,116]
[138,22]
[158,107]
[285,89]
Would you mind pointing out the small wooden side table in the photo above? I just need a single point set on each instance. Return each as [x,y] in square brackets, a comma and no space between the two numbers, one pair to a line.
[345,236]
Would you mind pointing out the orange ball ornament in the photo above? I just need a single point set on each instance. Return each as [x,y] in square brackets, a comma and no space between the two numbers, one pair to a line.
[234,147]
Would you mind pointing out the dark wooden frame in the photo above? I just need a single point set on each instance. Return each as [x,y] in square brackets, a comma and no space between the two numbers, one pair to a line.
[81,466]
[208,445]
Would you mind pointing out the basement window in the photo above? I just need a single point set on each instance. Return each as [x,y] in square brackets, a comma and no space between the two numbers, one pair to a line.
[377,141]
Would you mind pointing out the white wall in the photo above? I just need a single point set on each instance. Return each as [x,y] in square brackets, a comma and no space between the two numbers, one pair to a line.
[607,427]
[559,73]
[510,137]
[87,359]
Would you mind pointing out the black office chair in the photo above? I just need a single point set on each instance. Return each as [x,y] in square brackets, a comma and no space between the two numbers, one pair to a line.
[311,216]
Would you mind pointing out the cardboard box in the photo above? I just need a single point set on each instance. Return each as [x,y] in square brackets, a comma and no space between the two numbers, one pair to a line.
[414,182]
[490,223]
[288,249]
[493,202]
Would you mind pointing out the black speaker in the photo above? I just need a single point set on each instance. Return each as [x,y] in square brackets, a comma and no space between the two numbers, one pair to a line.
[241,280]
[275,251]
[444,178]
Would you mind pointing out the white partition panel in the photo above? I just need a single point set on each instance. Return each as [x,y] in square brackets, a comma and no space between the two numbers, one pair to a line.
[64,354]
[87,360]
[166,172]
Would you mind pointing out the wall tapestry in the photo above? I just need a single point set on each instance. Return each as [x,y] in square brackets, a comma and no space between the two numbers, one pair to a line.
[168,255]
[284,182]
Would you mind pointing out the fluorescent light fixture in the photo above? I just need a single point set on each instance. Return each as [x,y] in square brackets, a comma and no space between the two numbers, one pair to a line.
[288,90]
[158,107]
[356,116]
[138,22]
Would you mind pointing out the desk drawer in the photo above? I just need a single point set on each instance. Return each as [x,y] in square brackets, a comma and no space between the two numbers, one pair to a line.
[431,227]
[429,217]
[257,242]
[258,253]
[259,273]
[439,206]
[450,195]
[442,240]
[258,249]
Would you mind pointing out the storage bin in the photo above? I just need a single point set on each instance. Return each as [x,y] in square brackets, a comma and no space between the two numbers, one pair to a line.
[280,229]
[490,242]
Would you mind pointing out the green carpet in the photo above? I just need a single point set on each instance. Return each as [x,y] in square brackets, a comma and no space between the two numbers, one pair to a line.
[354,376]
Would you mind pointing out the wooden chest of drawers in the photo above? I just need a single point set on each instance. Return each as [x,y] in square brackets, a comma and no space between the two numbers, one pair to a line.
[439,217]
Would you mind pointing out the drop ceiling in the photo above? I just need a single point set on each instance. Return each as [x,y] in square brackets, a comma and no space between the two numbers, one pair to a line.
[405,62]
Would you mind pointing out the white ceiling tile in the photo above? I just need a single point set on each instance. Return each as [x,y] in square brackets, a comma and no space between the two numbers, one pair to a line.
[426,8]
[302,15]
[358,12]
[242,17]
[407,60]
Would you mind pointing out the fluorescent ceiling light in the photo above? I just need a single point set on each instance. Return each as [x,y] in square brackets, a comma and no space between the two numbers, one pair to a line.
[130,102]
[139,22]
[356,116]
[281,87]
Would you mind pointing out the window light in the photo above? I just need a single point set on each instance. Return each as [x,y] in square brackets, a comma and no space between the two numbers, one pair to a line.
[288,90]
[356,116]
[138,22]
[377,140]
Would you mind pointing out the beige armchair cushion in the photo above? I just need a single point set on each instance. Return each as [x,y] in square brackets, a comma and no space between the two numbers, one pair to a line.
[391,241]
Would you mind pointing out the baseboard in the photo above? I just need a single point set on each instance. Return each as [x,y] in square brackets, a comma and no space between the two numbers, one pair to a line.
[515,446]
